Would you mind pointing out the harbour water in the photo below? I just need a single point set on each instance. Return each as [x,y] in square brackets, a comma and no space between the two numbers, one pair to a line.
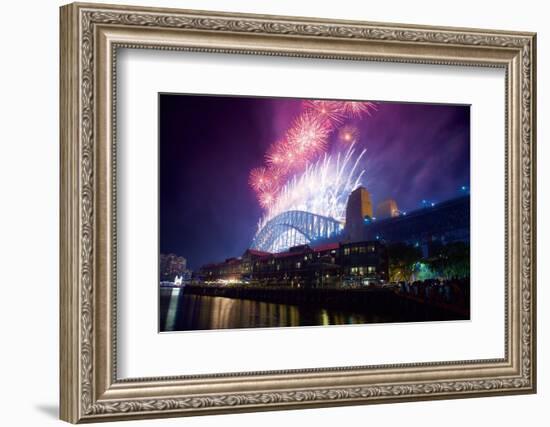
[184,311]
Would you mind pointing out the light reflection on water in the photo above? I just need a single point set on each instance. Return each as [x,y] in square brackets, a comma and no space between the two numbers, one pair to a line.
[170,322]
[182,312]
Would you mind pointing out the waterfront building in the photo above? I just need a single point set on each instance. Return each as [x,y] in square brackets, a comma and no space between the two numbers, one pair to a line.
[356,255]
[364,262]
[327,265]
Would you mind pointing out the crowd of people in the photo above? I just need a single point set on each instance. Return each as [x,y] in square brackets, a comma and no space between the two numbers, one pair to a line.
[455,292]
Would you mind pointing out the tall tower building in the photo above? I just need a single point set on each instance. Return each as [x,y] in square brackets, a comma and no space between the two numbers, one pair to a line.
[387,209]
[358,208]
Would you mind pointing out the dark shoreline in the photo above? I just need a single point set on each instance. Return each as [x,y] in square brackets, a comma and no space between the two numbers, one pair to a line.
[383,301]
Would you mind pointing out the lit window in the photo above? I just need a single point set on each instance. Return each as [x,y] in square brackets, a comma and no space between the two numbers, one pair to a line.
[371,269]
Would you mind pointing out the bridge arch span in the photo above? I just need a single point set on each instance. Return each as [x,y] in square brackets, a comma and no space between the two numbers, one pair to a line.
[294,228]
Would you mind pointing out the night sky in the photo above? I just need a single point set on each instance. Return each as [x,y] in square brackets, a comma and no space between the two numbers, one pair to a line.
[209,144]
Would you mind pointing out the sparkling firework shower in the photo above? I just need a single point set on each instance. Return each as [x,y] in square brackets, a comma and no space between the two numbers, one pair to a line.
[305,141]
[322,188]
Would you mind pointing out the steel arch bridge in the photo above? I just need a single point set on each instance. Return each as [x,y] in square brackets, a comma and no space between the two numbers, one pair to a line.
[294,228]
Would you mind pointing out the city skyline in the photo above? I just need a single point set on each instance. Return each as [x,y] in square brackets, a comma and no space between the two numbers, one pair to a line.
[209,144]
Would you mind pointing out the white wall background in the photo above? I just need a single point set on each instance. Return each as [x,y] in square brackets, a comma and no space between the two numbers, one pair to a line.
[29,170]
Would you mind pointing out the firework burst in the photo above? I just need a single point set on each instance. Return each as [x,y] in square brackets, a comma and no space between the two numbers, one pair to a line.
[330,111]
[262,179]
[293,160]
[357,109]
[323,188]
[348,134]
[275,155]
[308,135]
[281,156]
[266,199]
[304,143]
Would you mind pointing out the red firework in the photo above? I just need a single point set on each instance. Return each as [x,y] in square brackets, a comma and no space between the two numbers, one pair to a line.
[304,141]
[283,158]
[276,155]
[260,179]
[330,111]
[356,109]
[266,198]
[308,135]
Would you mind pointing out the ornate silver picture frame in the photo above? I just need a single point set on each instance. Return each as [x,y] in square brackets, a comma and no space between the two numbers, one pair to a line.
[91,35]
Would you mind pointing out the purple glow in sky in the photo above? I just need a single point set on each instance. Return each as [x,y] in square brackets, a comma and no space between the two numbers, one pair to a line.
[209,144]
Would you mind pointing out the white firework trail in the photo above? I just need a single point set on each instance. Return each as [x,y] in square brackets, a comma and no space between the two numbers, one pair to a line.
[322,189]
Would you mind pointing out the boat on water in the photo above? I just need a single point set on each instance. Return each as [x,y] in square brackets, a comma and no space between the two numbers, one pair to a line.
[177,283]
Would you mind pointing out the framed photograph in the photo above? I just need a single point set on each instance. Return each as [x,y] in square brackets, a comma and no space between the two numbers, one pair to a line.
[265,212]
[295,220]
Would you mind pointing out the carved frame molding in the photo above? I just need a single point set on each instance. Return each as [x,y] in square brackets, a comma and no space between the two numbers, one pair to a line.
[90,37]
